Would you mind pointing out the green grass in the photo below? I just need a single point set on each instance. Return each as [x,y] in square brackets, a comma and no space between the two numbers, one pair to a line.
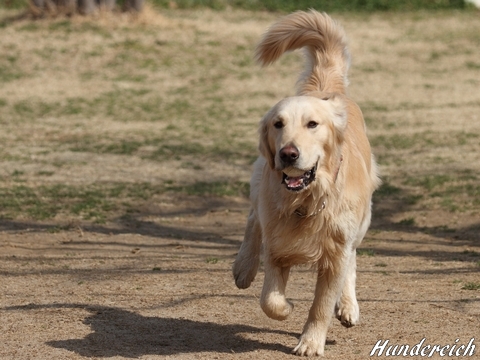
[119,147]
[472,65]
[403,142]
[93,202]
[429,182]
[141,105]
[471,286]
[471,253]
[454,191]
[98,202]
[9,66]
[407,222]
[13,4]
[387,189]
[365,252]
[211,260]
[216,188]
[172,145]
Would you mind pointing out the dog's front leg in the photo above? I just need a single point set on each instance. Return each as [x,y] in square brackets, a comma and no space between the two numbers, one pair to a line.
[328,288]
[246,263]
[346,309]
[272,300]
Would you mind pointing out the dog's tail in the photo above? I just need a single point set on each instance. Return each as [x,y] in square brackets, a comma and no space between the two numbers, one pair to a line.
[327,55]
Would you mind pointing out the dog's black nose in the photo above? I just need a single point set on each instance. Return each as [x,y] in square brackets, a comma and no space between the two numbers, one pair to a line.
[289,154]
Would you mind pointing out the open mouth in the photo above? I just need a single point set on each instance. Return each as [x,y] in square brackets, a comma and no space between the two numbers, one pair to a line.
[297,183]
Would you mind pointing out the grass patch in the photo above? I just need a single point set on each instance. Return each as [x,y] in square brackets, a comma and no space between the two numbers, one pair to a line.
[402,142]
[93,202]
[58,229]
[166,148]
[429,182]
[186,126]
[45,173]
[120,105]
[211,260]
[9,66]
[407,222]
[216,188]
[455,191]
[387,190]
[365,252]
[122,147]
[471,253]
[420,141]
[98,202]
[472,65]
[471,286]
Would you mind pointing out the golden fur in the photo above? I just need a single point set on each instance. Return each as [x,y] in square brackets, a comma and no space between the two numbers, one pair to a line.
[319,134]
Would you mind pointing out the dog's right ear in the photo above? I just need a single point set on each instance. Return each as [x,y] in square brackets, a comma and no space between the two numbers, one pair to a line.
[339,108]
[264,145]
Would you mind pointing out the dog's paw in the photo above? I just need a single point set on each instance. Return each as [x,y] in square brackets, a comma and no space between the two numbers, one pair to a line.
[244,271]
[309,347]
[348,313]
[276,307]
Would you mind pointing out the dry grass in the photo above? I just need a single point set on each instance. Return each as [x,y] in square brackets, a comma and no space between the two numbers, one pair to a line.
[173,100]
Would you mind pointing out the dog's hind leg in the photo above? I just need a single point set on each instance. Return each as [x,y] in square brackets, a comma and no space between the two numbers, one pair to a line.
[247,261]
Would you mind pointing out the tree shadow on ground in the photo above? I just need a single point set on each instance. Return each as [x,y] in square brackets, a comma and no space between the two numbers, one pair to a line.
[138,222]
[390,201]
[117,332]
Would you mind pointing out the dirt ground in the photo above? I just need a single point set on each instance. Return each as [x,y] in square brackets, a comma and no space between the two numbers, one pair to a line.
[159,286]
[165,290]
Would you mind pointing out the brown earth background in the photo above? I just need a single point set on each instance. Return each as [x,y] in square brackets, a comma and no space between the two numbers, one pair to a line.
[127,144]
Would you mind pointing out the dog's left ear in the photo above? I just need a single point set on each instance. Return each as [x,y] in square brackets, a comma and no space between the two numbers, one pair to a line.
[264,145]
[339,109]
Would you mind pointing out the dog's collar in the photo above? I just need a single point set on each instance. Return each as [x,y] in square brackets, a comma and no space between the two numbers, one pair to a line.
[300,211]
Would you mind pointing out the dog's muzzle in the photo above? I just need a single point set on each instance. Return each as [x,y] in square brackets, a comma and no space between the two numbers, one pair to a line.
[297,183]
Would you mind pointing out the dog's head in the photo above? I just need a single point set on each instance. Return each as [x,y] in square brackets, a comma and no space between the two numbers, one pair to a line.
[299,136]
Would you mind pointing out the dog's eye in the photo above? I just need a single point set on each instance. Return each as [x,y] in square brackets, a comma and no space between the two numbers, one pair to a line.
[278,124]
[312,124]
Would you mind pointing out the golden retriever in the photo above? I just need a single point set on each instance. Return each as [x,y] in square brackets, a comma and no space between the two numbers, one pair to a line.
[312,186]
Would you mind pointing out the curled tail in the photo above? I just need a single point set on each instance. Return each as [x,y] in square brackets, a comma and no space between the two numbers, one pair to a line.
[327,55]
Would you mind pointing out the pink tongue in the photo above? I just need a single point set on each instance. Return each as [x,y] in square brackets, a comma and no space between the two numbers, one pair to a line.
[294,181]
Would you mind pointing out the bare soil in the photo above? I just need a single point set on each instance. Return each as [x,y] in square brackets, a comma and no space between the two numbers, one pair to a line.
[159,286]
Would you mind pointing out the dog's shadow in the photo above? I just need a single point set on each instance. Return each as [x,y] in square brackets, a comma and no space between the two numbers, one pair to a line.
[117,332]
